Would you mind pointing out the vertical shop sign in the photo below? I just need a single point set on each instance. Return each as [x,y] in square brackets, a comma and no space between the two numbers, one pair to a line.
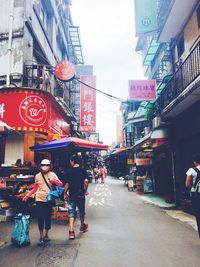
[145,16]
[88,104]
[142,90]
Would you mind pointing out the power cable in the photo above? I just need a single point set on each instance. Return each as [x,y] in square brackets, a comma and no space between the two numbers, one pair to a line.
[102,92]
[78,80]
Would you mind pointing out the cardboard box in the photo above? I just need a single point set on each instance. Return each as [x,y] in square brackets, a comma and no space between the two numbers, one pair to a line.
[4,218]
[60,215]
[7,212]
[4,204]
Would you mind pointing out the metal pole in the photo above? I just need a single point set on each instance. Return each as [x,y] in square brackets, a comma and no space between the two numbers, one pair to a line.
[10,42]
[174,176]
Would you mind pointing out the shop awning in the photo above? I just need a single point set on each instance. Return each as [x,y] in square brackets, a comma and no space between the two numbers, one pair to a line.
[143,140]
[72,143]
[121,150]
[152,50]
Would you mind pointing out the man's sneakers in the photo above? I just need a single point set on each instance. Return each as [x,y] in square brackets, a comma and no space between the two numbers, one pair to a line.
[83,228]
[71,235]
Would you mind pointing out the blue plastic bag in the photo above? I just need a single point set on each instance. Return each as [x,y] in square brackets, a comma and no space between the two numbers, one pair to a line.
[20,231]
[54,194]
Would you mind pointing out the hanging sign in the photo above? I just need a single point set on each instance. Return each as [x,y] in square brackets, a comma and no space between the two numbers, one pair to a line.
[145,16]
[143,162]
[141,90]
[88,104]
[65,71]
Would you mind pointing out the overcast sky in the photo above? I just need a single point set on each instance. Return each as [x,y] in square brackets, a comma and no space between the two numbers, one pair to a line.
[108,39]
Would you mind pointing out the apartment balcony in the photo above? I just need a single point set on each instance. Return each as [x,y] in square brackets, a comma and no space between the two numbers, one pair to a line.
[182,91]
[172,17]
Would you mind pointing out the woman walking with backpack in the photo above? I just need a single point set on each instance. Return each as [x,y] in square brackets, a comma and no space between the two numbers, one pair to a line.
[193,183]
[43,182]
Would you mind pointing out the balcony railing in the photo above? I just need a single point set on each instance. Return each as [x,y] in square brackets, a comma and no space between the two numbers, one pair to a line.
[183,77]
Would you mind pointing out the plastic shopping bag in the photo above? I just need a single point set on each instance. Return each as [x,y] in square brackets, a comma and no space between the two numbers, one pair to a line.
[56,193]
[20,231]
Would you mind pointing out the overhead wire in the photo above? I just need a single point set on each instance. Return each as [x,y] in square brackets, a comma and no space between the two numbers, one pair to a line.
[81,82]
[100,91]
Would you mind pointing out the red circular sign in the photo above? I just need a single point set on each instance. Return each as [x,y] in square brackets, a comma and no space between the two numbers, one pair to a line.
[33,110]
[65,70]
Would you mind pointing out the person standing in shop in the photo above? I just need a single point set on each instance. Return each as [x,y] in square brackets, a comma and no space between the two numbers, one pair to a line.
[193,183]
[43,182]
[76,185]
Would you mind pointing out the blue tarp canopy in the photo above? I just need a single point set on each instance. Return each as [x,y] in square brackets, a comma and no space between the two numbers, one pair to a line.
[72,143]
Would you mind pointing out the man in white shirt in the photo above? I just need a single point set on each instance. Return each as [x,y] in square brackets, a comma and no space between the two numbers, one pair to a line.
[192,183]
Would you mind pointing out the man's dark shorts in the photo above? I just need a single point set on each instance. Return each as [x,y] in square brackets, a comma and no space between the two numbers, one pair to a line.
[76,202]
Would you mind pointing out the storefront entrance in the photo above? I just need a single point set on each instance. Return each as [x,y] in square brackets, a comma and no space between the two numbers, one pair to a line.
[163,174]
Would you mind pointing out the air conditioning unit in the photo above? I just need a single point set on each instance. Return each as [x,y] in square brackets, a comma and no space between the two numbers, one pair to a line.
[156,122]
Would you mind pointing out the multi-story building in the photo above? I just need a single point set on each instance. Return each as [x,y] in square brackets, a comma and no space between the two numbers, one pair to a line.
[172,58]
[34,36]
[128,110]
[179,102]
[119,133]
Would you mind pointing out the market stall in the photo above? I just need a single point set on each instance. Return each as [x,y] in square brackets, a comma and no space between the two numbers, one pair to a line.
[60,152]
[15,182]
[144,179]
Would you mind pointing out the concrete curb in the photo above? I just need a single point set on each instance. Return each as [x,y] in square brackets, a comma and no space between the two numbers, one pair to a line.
[174,213]
[183,217]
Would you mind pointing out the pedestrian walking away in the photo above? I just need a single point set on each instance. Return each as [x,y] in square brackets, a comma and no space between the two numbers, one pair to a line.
[193,183]
[75,190]
[96,174]
[43,182]
[102,174]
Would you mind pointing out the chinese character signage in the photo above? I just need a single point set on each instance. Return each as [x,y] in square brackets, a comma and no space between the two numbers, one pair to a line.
[30,110]
[88,104]
[142,90]
[145,16]
[143,162]
[2,110]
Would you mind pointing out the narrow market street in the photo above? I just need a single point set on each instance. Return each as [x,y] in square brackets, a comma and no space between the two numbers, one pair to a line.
[123,231]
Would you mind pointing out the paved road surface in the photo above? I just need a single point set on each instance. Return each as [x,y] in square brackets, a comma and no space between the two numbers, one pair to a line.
[126,232]
[123,232]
